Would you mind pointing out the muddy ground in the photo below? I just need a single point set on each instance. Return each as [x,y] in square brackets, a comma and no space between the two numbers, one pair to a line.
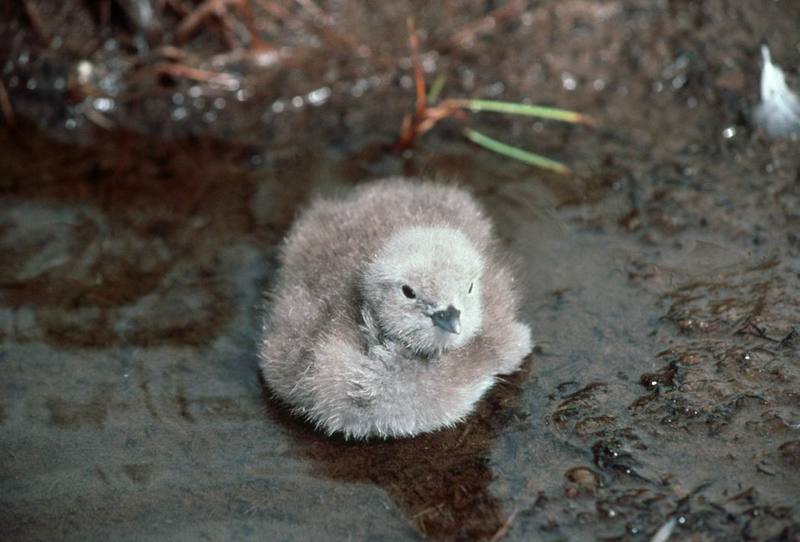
[662,280]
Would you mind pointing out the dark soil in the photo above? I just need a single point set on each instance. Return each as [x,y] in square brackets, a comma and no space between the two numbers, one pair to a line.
[662,280]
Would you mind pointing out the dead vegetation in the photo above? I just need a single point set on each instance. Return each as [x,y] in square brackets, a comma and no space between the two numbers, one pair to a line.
[219,46]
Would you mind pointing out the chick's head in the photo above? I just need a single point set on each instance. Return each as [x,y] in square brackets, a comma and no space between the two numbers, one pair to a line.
[424,289]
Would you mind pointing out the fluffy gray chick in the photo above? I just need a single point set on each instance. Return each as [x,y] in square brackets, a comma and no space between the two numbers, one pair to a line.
[391,314]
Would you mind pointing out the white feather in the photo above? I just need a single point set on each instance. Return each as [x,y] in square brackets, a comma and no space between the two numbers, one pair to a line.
[778,114]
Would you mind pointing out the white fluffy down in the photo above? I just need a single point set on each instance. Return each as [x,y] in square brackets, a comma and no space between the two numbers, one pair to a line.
[351,340]
[779,111]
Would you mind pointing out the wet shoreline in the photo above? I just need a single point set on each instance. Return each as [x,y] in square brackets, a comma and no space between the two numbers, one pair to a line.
[662,283]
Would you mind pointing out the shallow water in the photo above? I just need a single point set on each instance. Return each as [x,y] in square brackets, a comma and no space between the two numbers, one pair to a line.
[662,283]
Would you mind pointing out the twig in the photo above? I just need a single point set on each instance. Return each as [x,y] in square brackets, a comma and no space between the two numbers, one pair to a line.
[36,20]
[219,9]
[193,20]
[276,10]
[424,512]
[757,330]
[178,7]
[432,115]
[468,33]
[256,56]
[312,8]
[227,27]
[424,117]
[99,119]
[105,13]
[224,79]
[249,23]
[5,105]
[789,336]
[463,436]
[170,52]
[503,530]
[664,532]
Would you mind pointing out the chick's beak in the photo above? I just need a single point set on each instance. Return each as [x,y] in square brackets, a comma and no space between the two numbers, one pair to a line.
[449,319]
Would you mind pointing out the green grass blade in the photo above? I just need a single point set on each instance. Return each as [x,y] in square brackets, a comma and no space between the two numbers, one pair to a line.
[436,88]
[513,152]
[511,108]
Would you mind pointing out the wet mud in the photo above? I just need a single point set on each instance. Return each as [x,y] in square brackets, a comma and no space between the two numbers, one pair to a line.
[662,282]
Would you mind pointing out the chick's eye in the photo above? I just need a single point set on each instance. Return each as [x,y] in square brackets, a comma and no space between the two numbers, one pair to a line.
[408,292]
[471,284]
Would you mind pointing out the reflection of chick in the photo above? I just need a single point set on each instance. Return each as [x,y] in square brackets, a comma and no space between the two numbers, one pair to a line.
[391,314]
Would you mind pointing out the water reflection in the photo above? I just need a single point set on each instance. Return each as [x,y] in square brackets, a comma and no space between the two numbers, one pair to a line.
[441,481]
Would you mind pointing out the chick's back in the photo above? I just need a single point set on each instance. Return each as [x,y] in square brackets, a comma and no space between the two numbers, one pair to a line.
[333,239]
